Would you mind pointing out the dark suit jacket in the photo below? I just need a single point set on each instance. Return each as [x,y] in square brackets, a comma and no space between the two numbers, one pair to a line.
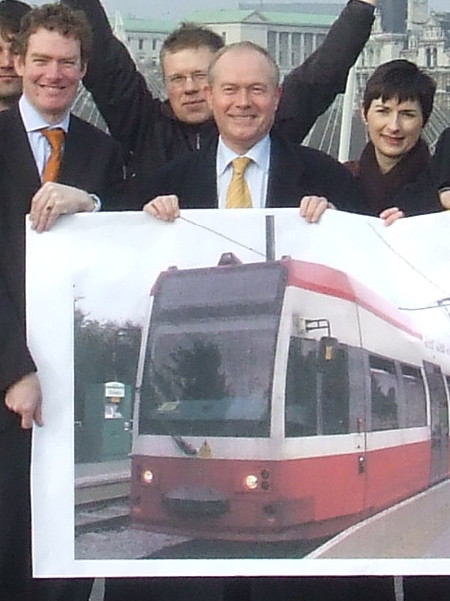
[15,360]
[295,171]
[441,160]
[92,161]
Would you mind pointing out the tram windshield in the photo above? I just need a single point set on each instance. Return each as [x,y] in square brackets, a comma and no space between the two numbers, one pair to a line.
[210,357]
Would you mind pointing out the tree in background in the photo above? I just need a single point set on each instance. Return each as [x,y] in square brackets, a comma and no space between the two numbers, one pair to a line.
[103,352]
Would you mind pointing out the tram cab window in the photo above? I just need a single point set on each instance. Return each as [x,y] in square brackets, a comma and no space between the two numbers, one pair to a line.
[384,392]
[415,399]
[209,378]
[317,400]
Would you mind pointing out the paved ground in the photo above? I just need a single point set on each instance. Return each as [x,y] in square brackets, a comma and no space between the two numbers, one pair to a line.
[97,591]
[417,528]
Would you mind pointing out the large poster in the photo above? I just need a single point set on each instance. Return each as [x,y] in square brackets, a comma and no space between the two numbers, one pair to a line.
[240,392]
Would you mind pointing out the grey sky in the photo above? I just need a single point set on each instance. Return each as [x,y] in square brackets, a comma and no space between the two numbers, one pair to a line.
[176,9]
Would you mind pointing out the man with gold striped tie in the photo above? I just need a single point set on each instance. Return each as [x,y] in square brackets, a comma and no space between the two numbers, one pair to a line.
[251,165]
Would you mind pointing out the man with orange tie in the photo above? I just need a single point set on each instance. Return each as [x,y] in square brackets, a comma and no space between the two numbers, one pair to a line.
[51,164]
[51,64]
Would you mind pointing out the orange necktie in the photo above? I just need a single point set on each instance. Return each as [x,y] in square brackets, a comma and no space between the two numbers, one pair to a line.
[52,167]
[238,193]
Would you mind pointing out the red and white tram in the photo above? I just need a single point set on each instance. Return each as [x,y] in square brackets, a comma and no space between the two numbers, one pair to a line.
[281,400]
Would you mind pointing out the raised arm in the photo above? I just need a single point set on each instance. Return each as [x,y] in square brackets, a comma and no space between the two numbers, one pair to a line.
[311,88]
[118,88]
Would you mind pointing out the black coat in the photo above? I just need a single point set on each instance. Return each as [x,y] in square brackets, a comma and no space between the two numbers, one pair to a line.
[441,161]
[147,129]
[418,197]
[92,161]
[294,171]
[408,186]
[15,359]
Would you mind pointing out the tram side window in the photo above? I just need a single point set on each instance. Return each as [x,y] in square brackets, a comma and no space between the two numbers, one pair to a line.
[415,399]
[316,399]
[384,388]
[301,388]
[336,394]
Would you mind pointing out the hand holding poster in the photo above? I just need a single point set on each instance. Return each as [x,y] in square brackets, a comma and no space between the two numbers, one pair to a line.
[276,403]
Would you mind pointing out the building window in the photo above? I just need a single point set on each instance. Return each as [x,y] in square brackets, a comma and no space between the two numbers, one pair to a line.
[320,37]
[296,50]
[272,44]
[140,44]
[434,57]
[308,44]
[431,57]
[283,51]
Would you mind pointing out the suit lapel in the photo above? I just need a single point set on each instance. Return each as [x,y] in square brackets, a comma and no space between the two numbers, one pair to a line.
[76,156]
[208,192]
[16,154]
[285,175]
[201,191]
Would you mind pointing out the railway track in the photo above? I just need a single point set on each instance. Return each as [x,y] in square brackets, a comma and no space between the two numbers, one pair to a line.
[101,515]
[95,489]
[101,502]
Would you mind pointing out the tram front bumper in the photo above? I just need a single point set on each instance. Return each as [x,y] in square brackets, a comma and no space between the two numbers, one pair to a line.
[196,500]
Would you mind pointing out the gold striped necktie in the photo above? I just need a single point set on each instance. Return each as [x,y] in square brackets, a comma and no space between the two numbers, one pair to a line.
[238,193]
[52,167]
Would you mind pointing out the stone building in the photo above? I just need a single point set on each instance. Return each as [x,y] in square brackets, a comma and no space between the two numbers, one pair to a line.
[289,37]
[425,40]
[403,29]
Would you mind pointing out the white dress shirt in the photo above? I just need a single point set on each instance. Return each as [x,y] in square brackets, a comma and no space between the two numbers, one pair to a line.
[256,174]
[33,123]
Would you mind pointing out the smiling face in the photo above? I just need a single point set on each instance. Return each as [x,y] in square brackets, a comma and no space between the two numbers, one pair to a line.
[51,71]
[10,82]
[394,129]
[243,96]
[185,75]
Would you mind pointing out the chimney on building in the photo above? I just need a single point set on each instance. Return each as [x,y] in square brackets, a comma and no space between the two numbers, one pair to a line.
[418,13]
[394,15]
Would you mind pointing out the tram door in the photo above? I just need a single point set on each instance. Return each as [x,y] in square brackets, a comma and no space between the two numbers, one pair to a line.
[439,422]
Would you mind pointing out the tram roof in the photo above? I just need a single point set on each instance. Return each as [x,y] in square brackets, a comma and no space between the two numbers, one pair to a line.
[315,277]
[332,282]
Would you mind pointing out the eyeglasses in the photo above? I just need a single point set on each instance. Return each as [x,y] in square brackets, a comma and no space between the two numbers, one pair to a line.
[179,81]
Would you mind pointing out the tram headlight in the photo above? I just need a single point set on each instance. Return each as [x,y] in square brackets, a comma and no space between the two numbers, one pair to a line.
[147,477]
[251,481]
